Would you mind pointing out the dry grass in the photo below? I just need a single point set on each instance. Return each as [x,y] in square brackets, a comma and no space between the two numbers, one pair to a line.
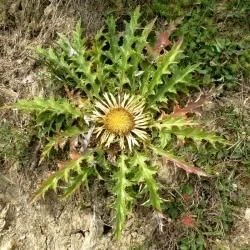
[26,24]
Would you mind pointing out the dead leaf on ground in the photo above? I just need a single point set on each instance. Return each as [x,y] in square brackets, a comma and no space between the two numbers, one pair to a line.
[189,169]
[193,106]
[163,38]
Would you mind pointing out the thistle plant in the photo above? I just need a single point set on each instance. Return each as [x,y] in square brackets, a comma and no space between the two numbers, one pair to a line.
[111,117]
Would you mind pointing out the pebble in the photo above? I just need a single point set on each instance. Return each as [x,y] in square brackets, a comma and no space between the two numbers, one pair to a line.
[247,214]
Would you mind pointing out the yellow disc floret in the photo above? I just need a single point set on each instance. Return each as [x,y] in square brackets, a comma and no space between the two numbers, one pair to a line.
[119,121]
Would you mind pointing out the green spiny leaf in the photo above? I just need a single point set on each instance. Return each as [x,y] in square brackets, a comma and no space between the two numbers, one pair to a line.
[172,84]
[164,137]
[122,197]
[197,135]
[40,105]
[112,39]
[62,174]
[130,29]
[168,122]
[58,139]
[146,174]
[77,40]
[76,182]
[163,63]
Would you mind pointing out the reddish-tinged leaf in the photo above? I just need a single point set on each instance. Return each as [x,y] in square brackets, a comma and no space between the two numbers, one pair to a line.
[74,155]
[187,198]
[168,156]
[183,165]
[60,164]
[75,98]
[188,220]
[163,40]
[191,107]
[164,115]
[163,37]
[112,153]
[61,143]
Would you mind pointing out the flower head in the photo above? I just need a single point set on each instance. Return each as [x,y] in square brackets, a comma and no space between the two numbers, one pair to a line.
[121,119]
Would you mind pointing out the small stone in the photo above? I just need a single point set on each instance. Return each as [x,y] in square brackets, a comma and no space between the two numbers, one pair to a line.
[134,235]
[7,245]
[22,237]
[2,224]
[234,186]
[247,214]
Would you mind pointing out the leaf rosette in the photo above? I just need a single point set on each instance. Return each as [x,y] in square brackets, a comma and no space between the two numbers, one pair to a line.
[109,119]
